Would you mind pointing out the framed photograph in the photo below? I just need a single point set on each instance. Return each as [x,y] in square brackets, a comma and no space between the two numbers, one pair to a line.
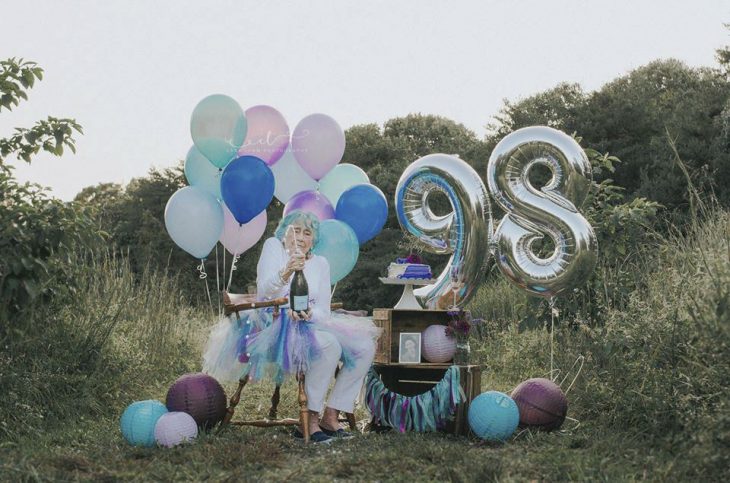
[410,348]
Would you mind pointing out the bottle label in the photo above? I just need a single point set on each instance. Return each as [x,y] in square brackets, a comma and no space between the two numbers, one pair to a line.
[300,302]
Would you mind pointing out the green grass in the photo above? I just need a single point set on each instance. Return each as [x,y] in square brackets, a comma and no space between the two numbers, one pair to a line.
[651,402]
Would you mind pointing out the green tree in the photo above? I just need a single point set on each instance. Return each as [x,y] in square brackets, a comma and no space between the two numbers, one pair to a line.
[36,231]
[634,118]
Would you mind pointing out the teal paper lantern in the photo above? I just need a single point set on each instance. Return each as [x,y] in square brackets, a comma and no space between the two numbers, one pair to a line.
[493,416]
[138,422]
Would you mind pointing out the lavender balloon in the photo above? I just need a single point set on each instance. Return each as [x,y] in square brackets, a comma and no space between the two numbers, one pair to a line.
[290,178]
[268,134]
[238,238]
[313,202]
[318,144]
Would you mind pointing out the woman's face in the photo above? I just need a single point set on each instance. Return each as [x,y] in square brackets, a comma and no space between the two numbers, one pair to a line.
[410,346]
[299,237]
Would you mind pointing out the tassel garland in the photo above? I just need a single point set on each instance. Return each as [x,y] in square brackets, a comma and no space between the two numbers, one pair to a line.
[425,412]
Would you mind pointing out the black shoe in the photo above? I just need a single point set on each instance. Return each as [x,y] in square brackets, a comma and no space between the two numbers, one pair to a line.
[317,438]
[339,434]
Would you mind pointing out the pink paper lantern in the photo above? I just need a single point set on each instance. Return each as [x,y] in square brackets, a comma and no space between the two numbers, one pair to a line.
[175,428]
[436,345]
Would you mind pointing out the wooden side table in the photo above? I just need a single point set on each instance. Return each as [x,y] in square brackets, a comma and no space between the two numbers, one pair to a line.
[413,379]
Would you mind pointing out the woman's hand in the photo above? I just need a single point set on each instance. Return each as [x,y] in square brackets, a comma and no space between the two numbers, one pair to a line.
[295,262]
[299,316]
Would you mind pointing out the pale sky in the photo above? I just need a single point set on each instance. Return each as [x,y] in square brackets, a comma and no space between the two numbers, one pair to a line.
[131,72]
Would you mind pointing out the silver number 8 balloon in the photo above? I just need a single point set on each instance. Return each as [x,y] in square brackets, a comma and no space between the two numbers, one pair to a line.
[534,213]
[463,232]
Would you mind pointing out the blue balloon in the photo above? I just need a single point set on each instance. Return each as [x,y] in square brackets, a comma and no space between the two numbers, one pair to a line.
[194,220]
[338,244]
[201,173]
[493,416]
[365,209]
[247,186]
[138,422]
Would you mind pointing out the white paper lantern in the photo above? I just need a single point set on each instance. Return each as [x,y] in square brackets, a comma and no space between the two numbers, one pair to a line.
[174,428]
[437,346]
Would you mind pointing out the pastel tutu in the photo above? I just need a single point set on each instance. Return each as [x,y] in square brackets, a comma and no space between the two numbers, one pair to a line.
[258,346]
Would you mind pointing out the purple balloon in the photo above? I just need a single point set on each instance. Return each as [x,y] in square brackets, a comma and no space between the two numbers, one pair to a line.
[313,202]
[318,144]
[268,134]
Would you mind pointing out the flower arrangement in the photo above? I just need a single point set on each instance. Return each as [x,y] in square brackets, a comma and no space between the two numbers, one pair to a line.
[459,326]
[460,323]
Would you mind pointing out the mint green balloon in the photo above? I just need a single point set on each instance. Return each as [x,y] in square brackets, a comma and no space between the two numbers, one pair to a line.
[201,173]
[218,127]
[338,244]
[340,179]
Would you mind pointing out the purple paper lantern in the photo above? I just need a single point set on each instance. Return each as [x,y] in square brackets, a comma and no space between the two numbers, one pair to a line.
[436,345]
[542,403]
[199,395]
[313,202]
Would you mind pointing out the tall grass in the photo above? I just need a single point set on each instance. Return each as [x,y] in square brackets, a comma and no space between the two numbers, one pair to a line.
[105,340]
[657,367]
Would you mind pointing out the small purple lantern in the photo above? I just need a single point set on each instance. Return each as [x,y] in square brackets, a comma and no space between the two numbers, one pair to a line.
[437,346]
[199,395]
[541,402]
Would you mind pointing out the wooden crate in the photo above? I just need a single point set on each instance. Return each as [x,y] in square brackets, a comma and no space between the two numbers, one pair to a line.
[395,321]
[414,379]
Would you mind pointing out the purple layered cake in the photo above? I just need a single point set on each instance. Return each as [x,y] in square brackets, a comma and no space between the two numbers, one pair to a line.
[407,268]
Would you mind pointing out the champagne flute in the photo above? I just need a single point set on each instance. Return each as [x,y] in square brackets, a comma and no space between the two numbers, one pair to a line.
[455,276]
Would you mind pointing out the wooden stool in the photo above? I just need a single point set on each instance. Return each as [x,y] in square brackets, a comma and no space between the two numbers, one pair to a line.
[235,303]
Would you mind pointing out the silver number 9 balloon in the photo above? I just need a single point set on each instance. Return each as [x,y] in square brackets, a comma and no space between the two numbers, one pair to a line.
[463,232]
[550,211]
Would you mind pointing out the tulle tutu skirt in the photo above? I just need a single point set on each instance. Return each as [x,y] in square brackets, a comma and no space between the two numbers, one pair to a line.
[258,346]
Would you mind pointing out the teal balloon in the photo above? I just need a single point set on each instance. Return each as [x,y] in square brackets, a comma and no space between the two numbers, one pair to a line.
[338,244]
[201,173]
[340,179]
[194,220]
[138,422]
[218,127]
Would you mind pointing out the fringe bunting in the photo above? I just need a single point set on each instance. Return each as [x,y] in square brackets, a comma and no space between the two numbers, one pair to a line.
[425,412]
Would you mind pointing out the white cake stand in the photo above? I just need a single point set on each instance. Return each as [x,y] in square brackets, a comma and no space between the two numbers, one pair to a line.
[407,300]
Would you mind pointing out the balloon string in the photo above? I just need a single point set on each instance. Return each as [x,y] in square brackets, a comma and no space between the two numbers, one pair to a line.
[204,276]
[333,291]
[201,270]
[552,337]
[581,358]
[218,282]
[224,268]
[233,269]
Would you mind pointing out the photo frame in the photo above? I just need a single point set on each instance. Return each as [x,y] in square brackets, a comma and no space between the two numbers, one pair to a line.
[409,348]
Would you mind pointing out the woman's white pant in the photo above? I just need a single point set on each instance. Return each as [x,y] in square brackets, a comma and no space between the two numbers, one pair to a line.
[320,373]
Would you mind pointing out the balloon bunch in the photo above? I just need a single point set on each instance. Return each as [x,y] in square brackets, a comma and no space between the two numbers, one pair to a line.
[241,160]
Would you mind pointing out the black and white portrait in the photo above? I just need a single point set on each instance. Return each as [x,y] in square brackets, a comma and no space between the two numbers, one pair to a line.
[410,348]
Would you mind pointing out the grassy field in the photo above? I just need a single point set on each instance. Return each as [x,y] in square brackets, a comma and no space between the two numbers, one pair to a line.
[651,402]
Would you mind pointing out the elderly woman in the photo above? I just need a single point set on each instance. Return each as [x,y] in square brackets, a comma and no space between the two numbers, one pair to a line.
[315,341]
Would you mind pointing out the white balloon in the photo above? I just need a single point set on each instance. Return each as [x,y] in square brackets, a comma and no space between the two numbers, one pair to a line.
[340,179]
[194,220]
[290,178]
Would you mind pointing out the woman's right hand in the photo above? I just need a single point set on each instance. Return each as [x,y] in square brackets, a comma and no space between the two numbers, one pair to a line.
[295,262]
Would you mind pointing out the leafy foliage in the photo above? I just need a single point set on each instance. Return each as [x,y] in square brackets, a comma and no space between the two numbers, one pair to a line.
[36,231]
